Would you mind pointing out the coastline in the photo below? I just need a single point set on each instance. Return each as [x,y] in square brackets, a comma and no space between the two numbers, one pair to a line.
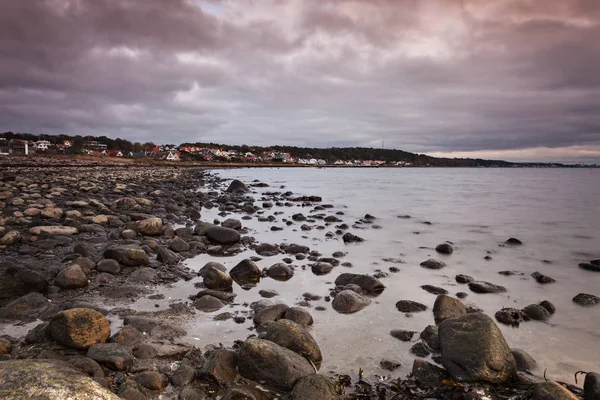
[134,195]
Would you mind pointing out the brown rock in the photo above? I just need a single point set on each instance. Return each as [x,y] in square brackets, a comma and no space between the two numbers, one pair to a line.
[79,328]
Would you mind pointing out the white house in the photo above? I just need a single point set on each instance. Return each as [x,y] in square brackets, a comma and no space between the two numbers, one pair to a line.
[42,145]
[172,156]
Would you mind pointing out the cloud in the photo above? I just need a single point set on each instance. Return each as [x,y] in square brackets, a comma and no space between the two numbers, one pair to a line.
[440,76]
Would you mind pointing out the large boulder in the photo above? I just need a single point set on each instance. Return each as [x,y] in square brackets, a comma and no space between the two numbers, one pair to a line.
[132,255]
[217,280]
[48,379]
[79,328]
[220,235]
[238,187]
[264,361]
[150,226]
[348,301]
[447,307]
[315,387]
[246,271]
[292,336]
[473,349]
[219,367]
[366,282]
[591,386]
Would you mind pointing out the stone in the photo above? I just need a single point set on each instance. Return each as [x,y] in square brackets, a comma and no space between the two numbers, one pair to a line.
[145,351]
[292,336]
[130,255]
[238,187]
[536,312]
[348,302]
[586,300]
[87,264]
[447,307]
[315,387]
[511,316]
[513,241]
[350,238]
[71,277]
[409,306]
[368,283]
[128,336]
[548,306]
[246,271]
[444,248]
[552,391]
[17,281]
[87,365]
[5,346]
[474,350]
[29,306]
[178,245]
[280,271]
[52,212]
[219,367]
[420,349]
[270,313]
[208,303]
[53,230]
[225,297]
[190,392]
[591,386]
[541,278]
[485,287]
[402,335]
[464,279]
[48,379]
[264,361]
[217,280]
[268,293]
[143,275]
[112,355]
[433,264]
[321,268]
[389,365]
[152,380]
[595,267]
[150,226]
[167,256]
[267,249]
[434,289]
[79,328]
[232,223]
[524,361]
[212,264]
[109,266]
[427,374]
[430,335]
[183,375]
[221,235]
[298,315]
[9,238]
[296,249]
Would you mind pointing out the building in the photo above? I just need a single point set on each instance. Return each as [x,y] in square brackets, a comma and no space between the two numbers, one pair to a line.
[94,145]
[18,146]
[115,153]
[42,145]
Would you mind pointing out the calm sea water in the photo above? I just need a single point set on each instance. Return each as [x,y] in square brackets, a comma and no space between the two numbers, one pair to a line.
[555,212]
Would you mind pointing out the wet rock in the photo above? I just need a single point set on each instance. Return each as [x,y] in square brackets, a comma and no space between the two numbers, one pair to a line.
[131,255]
[183,375]
[427,374]
[71,277]
[292,336]
[190,392]
[348,301]
[152,380]
[541,278]
[595,267]
[409,306]
[178,245]
[237,187]
[112,355]
[85,250]
[221,235]
[389,365]
[145,351]
[420,349]
[513,241]
[16,281]
[268,293]
[444,248]
[524,361]
[109,266]
[128,234]
[366,282]
[298,315]
[154,327]
[48,379]
[473,349]
[591,386]
[315,387]
[586,300]
[219,367]
[350,238]
[265,361]
[548,306]
[53,230]
[208,304]
[143,275]
[217,280]
[296,248]
[280,271]
[79,328]
[29,306]
[225,297]
[267,249]
[434,289]
[321,268]
[511,317]
[5,346]
[354,288]
[402,335]
[150,226]
[52,212]
[430,336]
[271,313]
[209,265]
[232,223]
[246,271]
[447,307]
[128,336]
[10,238]
[433,264]
[87,365]
[486,287]
[536,312]
[552,391]
[464,279]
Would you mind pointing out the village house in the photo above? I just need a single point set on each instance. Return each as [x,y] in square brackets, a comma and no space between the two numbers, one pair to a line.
[42,145]
[94,146]
[170,155]
[115,153]
[18,146]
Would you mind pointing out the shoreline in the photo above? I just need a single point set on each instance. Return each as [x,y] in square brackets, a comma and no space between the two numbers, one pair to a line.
[136,196]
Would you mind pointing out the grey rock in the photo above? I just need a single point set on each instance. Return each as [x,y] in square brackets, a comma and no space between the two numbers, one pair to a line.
[366,282]
[447,307]
[112,355]
[292,336]
[524,361]
[315,387]
[486,287]
[409,306]
[433,264]
[348,301]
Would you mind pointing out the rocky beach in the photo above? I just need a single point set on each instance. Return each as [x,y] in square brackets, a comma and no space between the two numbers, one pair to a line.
[117,281]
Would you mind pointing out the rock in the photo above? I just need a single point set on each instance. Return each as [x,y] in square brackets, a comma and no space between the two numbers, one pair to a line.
[29,306]
[212,264]
[296,248]
[145,351]
[183,375]
[264,361]
[190,392]
[486,287]
[208,304]
[232,223]
[536,312]
[167,256]
[9,238]
[221,235]
[541,278]
[109,266]
[131,255]
[389,365]
[348,301]
[280,271]
[225,297]
[447,307]
[238,187]
[511,316]
[591,386]
[150,226]
[17,281]
[595,267]
[267,249]
[409,306]
[420,349]
[402,335]
[217,280]
[366,282]
[79,328]
[427,374]
[524,361]
[430,336]
[548,306]
[434,289]
[128,336]
[87,365]
[5,346]
[474,350]
[131,390]
[271,313]
[586,300]
[71,277]
[48,379]
[219,367]
[128,234]
[268,293]
[298,315]
[350,238]
[315,387]
[433,264]
[178,245]
[152,380]
[52,212]
[53,230]
[143,275]
[552,391]
[444,248]
[85,250]
[292,336]
[321,268]
[513,241]
[464,279]
[113,355]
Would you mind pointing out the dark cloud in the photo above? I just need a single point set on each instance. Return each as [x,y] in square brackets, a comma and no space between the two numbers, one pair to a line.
[440,76]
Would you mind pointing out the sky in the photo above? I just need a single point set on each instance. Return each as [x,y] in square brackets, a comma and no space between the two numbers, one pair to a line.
[504,79]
